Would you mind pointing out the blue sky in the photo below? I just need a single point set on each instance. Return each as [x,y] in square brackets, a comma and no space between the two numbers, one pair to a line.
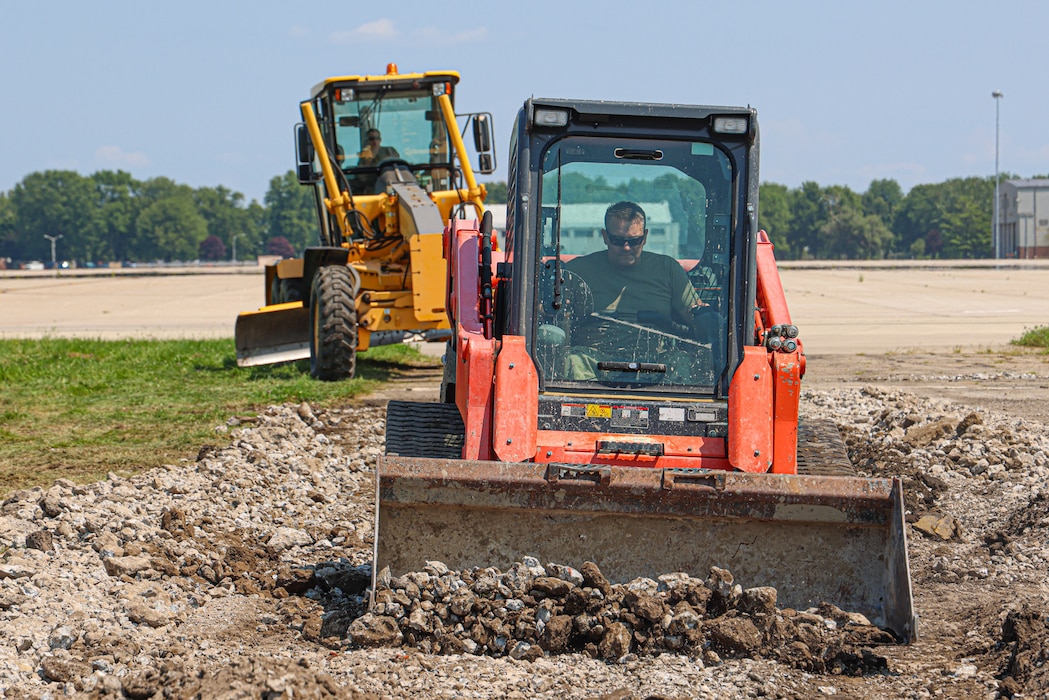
[207,93]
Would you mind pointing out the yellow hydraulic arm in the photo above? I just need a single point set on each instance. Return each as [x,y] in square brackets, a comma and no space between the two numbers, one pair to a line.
[340,203]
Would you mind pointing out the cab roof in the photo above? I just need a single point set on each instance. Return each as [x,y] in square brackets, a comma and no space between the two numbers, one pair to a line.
[630,109]
[390,77]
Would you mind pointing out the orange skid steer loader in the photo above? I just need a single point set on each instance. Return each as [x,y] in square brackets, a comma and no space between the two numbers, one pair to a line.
[623,381]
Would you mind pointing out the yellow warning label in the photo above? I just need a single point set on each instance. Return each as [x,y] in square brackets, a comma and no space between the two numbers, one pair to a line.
[594,410]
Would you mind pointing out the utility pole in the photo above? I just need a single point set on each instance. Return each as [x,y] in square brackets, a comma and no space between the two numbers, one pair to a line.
[234,239]
[995,233]
[53,239]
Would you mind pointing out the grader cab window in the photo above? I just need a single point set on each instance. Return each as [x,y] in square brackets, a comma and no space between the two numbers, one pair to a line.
[376,127]
[633,263]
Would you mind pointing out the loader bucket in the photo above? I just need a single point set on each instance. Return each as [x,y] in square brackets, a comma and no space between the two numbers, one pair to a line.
[814,538]
[277,333]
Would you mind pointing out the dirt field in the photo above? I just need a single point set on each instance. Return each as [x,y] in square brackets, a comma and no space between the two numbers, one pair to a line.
[839,309]
[123,306]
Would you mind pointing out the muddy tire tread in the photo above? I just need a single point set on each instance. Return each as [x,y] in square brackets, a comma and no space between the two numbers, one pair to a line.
[333,325]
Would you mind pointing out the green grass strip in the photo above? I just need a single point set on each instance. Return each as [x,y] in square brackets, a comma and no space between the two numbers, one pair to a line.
[78,409]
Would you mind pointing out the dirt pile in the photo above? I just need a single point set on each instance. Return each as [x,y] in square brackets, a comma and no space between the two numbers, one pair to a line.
[1025,641]
[976,486]
[531,610]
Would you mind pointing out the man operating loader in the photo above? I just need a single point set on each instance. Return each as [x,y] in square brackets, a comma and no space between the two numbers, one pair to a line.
[631,285]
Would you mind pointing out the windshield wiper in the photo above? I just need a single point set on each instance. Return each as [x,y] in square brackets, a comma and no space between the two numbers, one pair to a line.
[654,367]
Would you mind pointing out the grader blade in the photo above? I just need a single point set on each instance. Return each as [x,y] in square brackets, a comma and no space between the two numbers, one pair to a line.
[273,334]
[813,538]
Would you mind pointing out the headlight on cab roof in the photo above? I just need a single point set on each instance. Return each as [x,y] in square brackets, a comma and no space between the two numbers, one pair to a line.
[730,125]
[550,117]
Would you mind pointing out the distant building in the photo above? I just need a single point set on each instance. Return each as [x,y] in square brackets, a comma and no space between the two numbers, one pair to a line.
[584,222]
[1023,213]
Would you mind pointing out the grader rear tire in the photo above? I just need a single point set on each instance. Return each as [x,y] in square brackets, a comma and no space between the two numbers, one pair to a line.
[282,291]
[276,293]
[333,324]
[291,290]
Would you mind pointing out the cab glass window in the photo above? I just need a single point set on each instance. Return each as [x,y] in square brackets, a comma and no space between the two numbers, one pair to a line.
[634,248]
[373,127]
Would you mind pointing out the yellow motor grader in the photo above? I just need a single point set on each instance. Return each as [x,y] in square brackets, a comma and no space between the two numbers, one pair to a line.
[388,167]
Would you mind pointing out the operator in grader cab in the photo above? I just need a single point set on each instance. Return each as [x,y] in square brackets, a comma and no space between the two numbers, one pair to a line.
[649,289]
[371,155]
[374,152]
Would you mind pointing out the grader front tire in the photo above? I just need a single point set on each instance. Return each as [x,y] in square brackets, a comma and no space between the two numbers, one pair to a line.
[333,324]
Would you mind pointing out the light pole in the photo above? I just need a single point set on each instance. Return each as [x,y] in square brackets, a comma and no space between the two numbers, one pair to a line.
[234,238]
[52,239]
[997,95]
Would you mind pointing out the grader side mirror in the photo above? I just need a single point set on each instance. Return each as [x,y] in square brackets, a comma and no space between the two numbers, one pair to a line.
[482,125]
[304,156]
[482,133]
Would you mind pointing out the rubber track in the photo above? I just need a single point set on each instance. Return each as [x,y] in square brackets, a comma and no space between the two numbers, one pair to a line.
[334,296]
[417,429]
[821,451]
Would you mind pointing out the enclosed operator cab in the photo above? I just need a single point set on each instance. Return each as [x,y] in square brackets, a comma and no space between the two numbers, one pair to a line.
[659,310]
[387,130]
[391,126]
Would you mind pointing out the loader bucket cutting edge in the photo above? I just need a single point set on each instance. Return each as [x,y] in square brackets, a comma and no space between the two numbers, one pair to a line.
[814,538]
[279,333]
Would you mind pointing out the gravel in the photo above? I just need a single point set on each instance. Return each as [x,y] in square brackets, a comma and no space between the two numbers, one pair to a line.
[244,573]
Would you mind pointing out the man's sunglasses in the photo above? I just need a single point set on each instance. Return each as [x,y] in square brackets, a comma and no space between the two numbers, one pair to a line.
[621,242]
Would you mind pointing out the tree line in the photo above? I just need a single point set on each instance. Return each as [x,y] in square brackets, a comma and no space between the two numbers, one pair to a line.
[111,216]
[950,219]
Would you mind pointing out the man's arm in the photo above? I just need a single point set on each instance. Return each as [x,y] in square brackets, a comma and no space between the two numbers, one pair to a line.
[688,309]
[683,296]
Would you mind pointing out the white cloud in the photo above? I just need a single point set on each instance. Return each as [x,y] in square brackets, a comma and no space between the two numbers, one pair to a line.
[115,155]
[440,37]
[298,32]
[379,30]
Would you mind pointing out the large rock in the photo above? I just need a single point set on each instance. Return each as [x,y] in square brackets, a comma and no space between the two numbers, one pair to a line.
[734,636]
[616,641]
[126,566]
[372,630]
